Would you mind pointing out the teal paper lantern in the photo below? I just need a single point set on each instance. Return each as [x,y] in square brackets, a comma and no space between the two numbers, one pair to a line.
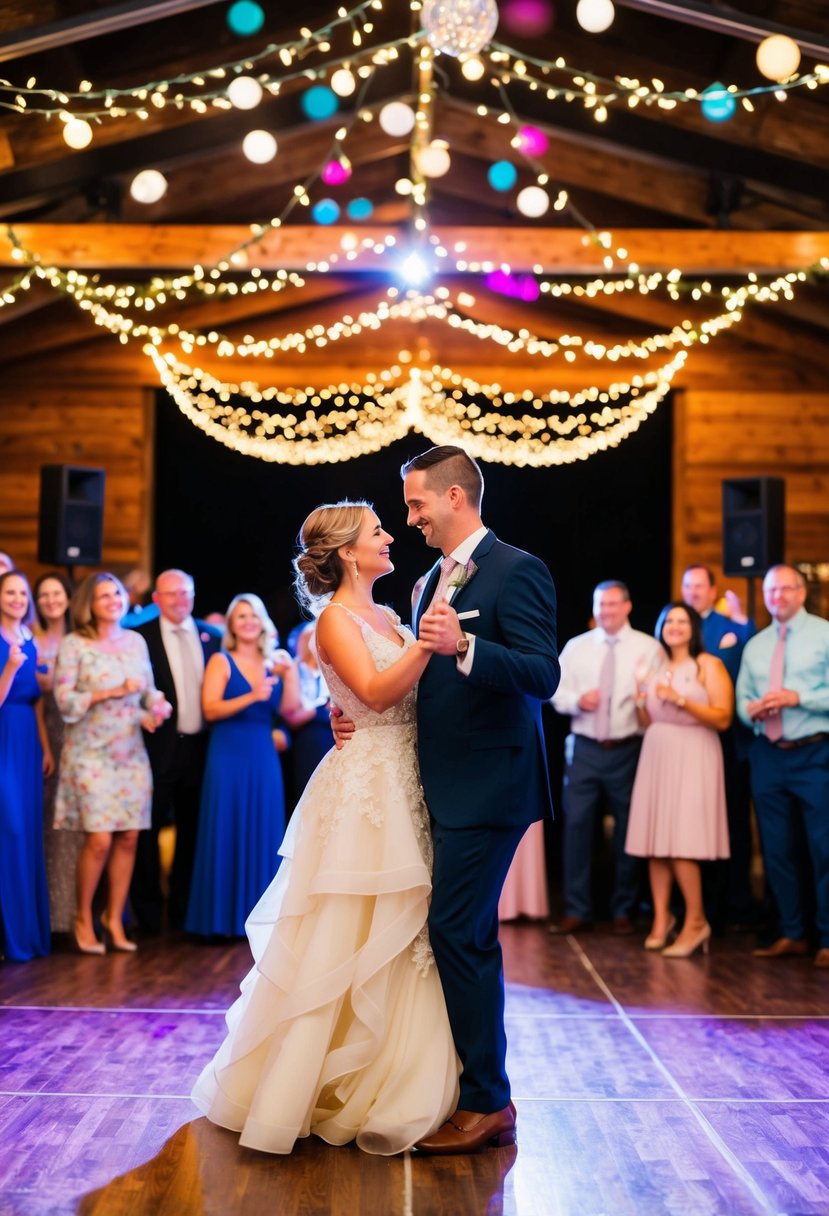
[360,209]
[320,103]
[716,103]
[502,175]
[326,211]
[245,17]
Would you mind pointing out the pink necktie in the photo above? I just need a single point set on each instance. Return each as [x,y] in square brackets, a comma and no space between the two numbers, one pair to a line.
[447,569]
[606,678]
[774,725]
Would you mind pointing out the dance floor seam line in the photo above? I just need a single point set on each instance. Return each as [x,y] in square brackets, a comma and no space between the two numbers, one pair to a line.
[690,1104]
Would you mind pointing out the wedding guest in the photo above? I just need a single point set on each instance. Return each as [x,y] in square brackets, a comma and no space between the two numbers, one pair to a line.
[104,690]
[525,888]
[677,811]
[599,673]
[728,886]
[179,646]
[6,563]
[783,695]
[52,594]
[310,726]
[242,813]
[137,583]
[24,759]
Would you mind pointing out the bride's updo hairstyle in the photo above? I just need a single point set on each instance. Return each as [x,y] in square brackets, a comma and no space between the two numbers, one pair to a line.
[319,570]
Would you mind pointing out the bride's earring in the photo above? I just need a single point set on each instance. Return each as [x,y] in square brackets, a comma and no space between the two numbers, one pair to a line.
[356,571]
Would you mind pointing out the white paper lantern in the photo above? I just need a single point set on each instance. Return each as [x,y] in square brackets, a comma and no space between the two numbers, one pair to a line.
[533,202]
[259,147]
[397,118]
[595,16]
[778,57]
[148,186]
[77,133]
[343,82]
[459,27]
[244,92]
[472,68]
[434,160]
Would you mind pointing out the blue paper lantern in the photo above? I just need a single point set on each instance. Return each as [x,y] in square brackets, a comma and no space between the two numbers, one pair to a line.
[245,17]
[716,103]
[360,209]
[326,211]
[502,175]
[320,102]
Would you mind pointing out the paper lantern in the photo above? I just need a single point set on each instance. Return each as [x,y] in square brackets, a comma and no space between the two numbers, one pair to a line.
[716,103]
[459,27]
[360,209]
[502,175]
[77,133]
[472,68]
[778,57]
[148,186]
[595,16]
[533,202]
[326,211]
[335,172]
[319,103]
[244,92]
[397,118]
[245,17]
[433,160]
[528,18]
[259,147]
[343,82]
[532,142]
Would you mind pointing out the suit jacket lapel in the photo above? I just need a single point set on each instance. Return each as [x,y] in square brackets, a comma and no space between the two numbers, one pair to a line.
[427,590]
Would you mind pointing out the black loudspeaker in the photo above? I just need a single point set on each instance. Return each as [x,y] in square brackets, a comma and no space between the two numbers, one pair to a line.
[753,525]
[71,515]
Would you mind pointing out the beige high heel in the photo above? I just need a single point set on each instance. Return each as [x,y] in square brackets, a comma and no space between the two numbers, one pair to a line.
[97,948]
[659,943]
[703,939]
[125,946]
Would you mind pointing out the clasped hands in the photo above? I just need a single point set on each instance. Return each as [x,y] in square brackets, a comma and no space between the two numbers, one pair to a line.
[770,705]
[158,710]
[439,629]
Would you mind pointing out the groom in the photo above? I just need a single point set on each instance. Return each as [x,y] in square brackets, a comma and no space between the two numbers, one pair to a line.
[482,762]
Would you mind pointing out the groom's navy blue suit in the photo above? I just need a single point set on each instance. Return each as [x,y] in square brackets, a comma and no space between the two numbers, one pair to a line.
[484,772]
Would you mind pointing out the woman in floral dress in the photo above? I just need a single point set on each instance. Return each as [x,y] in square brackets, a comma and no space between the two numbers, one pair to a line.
[104,690]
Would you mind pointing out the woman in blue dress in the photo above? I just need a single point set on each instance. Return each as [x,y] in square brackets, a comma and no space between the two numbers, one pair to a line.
[242,814]
[24,758]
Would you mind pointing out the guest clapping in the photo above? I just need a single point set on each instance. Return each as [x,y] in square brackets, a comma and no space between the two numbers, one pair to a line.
[242,815]
[104,689]
[24,758]
[677,811]
[52,594]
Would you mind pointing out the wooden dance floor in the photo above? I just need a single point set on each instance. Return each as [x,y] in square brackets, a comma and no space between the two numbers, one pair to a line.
[644,1086]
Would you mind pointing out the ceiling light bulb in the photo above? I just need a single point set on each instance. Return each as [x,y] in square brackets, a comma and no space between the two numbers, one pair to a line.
[77,133]
[259,147]
[148,186]
[595,16]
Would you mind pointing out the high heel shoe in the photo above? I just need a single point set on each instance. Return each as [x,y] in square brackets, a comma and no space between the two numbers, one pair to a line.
[98,948]
[124,947]
[659,943]
[678,950]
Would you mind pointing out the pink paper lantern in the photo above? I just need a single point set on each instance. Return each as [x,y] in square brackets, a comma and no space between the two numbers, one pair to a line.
[528,18]
[335,172]
[533,141]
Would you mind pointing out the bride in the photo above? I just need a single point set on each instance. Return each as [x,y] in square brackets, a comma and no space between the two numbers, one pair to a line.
[341,1027]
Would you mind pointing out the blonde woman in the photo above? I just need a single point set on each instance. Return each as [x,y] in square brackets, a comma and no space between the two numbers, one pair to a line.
[242,814]
[104,690]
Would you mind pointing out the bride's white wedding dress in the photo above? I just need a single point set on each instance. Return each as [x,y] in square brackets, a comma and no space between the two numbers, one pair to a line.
[341,1027]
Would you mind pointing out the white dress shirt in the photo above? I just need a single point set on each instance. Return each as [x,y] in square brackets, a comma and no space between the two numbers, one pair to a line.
[637,655]
[170,642]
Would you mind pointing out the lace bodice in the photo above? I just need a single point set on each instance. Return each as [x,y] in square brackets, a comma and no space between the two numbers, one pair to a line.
[384,652]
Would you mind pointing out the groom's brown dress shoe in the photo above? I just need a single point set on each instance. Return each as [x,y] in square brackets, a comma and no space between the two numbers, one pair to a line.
[783,948]
[469,1132]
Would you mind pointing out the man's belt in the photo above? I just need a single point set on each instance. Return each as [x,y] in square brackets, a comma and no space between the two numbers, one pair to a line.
[789,745]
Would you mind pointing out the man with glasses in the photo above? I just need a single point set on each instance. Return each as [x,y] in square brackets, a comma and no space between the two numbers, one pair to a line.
[783,695]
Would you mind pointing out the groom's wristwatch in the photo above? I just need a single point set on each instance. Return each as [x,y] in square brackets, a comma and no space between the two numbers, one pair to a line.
[462,646]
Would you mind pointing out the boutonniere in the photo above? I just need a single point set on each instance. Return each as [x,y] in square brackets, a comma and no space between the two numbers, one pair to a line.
[204,637]
[462,576]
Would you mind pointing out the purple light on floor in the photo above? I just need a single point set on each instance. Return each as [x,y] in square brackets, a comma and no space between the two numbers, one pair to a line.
[533,142]
[516,286]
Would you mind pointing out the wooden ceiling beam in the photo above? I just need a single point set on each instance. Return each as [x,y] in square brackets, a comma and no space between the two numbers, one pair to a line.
[151,247]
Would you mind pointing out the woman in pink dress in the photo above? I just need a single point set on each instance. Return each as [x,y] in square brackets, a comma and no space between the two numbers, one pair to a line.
[677,810]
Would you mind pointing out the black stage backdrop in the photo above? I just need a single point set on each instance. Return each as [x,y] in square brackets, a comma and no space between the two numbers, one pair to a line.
[232,522]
